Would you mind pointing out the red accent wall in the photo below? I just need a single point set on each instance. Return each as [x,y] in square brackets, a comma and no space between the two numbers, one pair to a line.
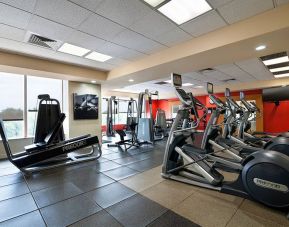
[276,117]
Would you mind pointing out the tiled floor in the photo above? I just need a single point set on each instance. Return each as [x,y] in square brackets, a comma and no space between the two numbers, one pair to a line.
[120,189]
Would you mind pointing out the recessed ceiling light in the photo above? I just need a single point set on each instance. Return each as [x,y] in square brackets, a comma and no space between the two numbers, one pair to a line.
[261,47]
[281,75]
[72,49]
[93,81]
[187,84]
[130,80]
[181,11]
[279,69]
[199,86]
[98,56]
[168,81]
[154,3]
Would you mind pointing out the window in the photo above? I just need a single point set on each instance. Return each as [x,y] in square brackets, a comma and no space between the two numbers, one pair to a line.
[35,87]
[104,103]
[12,104]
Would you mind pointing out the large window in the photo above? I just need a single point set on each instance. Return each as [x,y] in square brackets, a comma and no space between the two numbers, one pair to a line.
[12,104]
[19,100]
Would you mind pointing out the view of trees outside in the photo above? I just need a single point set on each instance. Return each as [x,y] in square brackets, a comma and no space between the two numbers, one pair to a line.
[12,104]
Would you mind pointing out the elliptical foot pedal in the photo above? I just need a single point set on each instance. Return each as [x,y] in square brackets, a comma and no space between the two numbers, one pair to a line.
[223,167]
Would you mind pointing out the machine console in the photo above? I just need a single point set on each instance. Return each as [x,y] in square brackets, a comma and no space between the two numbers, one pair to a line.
[227,93]
[176,80]
[242,95]
[182,95]
[210,88]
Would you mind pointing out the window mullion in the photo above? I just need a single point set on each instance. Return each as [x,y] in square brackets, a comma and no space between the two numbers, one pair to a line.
[25,108]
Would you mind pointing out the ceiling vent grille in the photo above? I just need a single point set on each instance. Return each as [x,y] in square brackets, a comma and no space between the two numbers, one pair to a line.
[229,80]
[161,83]
[43,41]
[206,70]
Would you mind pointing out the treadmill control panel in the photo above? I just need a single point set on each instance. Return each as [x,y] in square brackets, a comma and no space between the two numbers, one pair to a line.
[218,102]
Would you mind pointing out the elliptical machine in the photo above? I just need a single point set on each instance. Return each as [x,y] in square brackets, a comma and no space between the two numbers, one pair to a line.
[264,176]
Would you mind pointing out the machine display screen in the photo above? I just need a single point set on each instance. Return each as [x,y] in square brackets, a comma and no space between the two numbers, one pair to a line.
[210,88]
[177,80]
[227,92]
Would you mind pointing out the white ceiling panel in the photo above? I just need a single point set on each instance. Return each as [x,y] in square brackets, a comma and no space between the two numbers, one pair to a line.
[281,2]
[120,51]
[196,76]
[124,12]
[117,61]
[100,27]
[241,9]
[13,33]
[255,68]
[63,12]
[153,25]
[173,37]
[27,5]
[218,3]
[137,42]
[84,40]
[235,72]
[88,4]
[14,17]
[49,28]
[204,24]
[216,75]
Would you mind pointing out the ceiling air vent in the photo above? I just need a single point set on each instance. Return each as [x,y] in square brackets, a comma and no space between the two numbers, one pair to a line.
[229,80]
[206,70]
[43,41]
[161,83]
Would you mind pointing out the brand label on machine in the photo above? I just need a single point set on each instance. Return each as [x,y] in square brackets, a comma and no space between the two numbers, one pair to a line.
[270,185]
[74,146]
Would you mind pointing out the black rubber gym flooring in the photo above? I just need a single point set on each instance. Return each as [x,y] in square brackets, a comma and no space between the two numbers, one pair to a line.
[87,194]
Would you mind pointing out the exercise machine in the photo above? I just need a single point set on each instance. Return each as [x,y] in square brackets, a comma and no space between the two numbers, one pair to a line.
[264,176]
[50,149]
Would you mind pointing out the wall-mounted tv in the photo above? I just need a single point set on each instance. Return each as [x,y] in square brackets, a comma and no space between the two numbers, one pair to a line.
[85,107]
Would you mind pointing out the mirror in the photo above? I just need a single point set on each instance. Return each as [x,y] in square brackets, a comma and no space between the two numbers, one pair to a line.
[176,80]
[227,92]
[242,95]
[210,88]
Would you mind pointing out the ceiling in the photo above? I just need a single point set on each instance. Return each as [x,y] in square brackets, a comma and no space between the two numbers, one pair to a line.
[127,30]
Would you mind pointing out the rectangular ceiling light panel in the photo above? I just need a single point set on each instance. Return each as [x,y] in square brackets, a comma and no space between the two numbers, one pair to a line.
[276,60]
[279,69]
[187,85]
[281,75]
[98,56]
[181,11]
[154,3]
[72,49]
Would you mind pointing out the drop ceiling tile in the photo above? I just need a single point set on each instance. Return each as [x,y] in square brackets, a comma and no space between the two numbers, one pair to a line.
[216,75]
[218,3]
[63,12]
[13,33]
[239,10]
[255,68]
[117,61]
[137,42]
[281,2]
[88,4]
[27,5]
[173,37]
[235,72]
[124,12]
[120,51]
[152,25]
[203,24]
[49,28]
[84,40]
[14,17]
[100,27]
[196,76]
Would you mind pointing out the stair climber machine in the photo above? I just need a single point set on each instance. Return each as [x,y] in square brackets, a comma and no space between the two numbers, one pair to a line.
[263,176]
[245,125]
[50,149]
[280,143]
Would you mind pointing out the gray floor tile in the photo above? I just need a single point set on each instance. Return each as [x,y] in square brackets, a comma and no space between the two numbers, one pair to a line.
[116,155]
[11,179]
[171,219]
[27,220]
[120,173]
[111,194]
[48,196]
[105,166]
[130,159]
[69,211]
[16,206]
[91,181]
[13,190]
[144,165]
[9,170]
[100,219]
[136,211]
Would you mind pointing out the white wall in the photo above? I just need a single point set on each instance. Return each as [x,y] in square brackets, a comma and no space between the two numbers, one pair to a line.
[82,127]
[16,145]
